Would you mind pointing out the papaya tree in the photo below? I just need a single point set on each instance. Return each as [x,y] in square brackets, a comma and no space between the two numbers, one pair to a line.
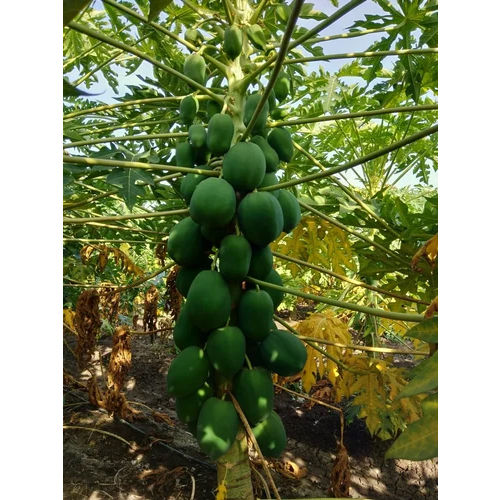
[255,167]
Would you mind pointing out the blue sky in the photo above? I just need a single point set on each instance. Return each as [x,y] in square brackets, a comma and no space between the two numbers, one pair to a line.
[357,44]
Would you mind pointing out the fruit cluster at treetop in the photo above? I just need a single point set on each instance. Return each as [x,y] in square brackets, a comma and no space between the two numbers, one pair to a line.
[225,331]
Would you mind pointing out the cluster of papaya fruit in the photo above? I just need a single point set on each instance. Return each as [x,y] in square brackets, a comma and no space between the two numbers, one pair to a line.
[225,331]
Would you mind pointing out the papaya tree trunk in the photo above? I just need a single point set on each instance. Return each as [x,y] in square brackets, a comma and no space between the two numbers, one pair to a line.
[233,468]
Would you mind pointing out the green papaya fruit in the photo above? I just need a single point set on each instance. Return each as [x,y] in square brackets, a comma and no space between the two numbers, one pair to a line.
[188,109]
[272,159]
[261,262]
[216,234]
[197,136]
[188,185]
[233,42]
[208,301]
[260,218]
[193,36]
[185,277]
[282,86]
[283,353]
[255,393]
[217,426]
[271,436]
[276,295]
[220,134]
[235,254]
[184,154]
[290,208]
[226,350]
[213,202]
[256,36]
[270,179]
[195,68]
[187,372]
[212,108]
[186,333]
[255,314]
[280,140]
[188,408]
[186,245]
[244,166]
[250,105]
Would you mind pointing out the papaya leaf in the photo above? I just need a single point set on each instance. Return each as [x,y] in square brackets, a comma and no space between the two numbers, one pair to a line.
[425,380]
[72,91]
[420,439]
[126,181]
[156,7]
[71,8]
[426,330]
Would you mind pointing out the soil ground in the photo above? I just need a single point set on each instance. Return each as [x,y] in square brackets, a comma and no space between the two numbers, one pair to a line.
[164,461]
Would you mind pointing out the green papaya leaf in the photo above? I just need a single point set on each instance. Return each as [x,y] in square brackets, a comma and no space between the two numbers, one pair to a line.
[71,8]
[257,36]
[72,91]
[425,380]
[156,7]
[426,330]
[126,180]
[419,441]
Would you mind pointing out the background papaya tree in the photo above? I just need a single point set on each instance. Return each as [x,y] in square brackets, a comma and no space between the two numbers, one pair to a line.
[364,129]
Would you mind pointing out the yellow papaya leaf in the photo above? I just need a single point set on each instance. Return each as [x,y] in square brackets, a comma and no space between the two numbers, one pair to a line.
[68,318]
[428,251]
[432,309]
[310,370]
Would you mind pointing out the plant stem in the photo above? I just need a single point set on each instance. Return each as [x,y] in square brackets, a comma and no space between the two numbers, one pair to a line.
[354,233]
[145,278]
[143,137]
[255,16]
[135,164]
[111,218]
[358,114]
[119,126]
[354,55]
[348,280]
[277,67]
[117,43]
[125,228]
[371,156]
[115,242]
[415,318]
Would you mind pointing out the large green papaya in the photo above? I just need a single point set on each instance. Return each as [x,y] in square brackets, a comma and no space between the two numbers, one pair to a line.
[233,42]
[188,185]
[213,202]
[220,133]
[283,353]
[244,166]
[186,333]
[197,136]
[270,179]
[184,154]
[270,435]
[234,257]
[255,393]
[208,301]
[187,372]
[186,246]
[282,86]
[250,106]
[290,208]
[280,140]
[188,408]
[226,350]
[255,314]
[188,109]
[185,277]
[261,262]
[195,68]
[217,427]
[276,295]
[260,218]
[272,159]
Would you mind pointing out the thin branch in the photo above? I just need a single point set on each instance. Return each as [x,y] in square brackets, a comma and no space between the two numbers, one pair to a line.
[359,114]
[145,278]
[125,228]
[111,218]
[117,43]
[116,242]
[121,138]
[348,280]
[80,160]
[371,156]
[118,126]
[255,16]
[354,55]
[415,318]
[277,67]
[93,429]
